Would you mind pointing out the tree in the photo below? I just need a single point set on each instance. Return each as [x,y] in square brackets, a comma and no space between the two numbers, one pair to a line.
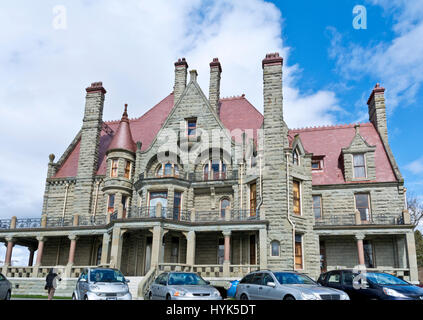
[415,208]
[419,247]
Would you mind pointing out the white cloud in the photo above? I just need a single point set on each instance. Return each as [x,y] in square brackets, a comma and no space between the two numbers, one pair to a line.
[416,166]
[397,64]
[130,46]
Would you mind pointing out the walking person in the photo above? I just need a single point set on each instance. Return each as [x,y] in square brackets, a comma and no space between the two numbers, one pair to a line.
[51,283]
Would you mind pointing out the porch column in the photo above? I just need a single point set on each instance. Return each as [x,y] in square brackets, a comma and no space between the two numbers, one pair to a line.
[105,249]
[412,257]
[227,256]
[263,248]
[156,246]
[116,251]
[360,248]
[9,251]
[31,256]
[72,249]
[190,247]
[40,249]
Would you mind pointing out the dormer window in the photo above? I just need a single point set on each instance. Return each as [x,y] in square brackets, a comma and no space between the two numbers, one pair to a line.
[295,157]
[191,127]
[359,165]
[114,171]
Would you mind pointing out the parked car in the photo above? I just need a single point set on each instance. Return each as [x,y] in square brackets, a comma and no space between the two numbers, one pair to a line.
[182,286]
[5,288]
[284,285]
[101,284]
[373,285]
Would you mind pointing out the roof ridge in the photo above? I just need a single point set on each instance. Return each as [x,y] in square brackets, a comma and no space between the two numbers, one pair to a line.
[134,119]
[233,97]
[330,127]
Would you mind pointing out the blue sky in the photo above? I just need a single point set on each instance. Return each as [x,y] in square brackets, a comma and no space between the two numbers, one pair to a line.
[330,69]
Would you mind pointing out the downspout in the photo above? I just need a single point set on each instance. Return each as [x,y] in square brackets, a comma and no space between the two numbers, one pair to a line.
[261,187]
[288,216]
[96,199]
[64,202]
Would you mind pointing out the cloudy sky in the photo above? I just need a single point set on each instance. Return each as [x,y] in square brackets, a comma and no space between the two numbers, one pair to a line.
[51,51]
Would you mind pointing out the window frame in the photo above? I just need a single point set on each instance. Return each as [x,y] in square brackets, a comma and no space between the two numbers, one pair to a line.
[295,157]
[294,181]
[108,203]
[188,121]
[114,170]
[364,166]
[223,213]
[302,251]
[321,206]
[271,248]
[369,215]
[211,174]
[128,172]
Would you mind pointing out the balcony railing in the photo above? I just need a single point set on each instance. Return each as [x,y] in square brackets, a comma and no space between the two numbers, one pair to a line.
[351,220]
[135,212]
[4,223]
[195,176]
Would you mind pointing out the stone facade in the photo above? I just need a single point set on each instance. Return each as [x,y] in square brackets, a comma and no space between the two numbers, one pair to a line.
[207,217]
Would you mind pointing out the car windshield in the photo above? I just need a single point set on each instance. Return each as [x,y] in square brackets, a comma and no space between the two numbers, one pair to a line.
[185,279]
[385,279]
[105,275]
[292,278]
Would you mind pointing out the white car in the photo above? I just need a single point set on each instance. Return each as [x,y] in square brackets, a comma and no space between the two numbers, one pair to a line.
[101,284]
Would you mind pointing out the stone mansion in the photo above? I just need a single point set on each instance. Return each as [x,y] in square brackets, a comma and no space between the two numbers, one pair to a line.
[211,185]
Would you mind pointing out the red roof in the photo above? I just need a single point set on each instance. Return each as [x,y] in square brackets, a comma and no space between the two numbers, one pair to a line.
[328,142]
[238,112]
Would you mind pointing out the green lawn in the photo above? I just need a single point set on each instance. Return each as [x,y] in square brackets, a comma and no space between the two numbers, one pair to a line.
[38,297]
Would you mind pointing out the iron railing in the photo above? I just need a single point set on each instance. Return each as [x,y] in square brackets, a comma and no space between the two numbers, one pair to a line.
[350,220]
[4,223]
[28,223]
[92,220]
[59,222]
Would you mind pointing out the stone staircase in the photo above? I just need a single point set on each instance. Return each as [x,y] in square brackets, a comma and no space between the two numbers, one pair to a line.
[133,286]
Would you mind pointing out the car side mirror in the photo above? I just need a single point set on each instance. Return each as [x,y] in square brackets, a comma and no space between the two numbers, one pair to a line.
[82,280]
[271,284]
[207,282]
[127,280]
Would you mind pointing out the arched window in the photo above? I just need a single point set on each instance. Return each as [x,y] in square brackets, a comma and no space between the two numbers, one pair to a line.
[167,170]
[224,204]
[275,248]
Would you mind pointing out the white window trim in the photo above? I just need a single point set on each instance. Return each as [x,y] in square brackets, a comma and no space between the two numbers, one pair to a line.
[368,201]
[365,165]
[271,249]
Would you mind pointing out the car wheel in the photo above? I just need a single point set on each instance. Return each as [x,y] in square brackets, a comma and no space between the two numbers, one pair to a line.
[7,296]
[168,297]
[289,298]
[244,297]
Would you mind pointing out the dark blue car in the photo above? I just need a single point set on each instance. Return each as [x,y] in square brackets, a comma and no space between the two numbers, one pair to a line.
[371,285]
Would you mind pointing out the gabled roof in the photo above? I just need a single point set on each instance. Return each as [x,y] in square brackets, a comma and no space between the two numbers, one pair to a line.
[329,141]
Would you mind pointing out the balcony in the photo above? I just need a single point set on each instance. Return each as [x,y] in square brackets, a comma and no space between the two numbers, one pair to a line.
[192,177]
[355,220]
[52,222]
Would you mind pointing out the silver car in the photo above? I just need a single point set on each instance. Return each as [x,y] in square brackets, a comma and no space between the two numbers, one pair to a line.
[5,288]
[101,284]
[182,286]
[284,285]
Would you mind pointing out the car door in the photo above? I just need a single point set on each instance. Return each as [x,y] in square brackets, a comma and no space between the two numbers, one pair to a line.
[334,280]
[82,285]
[155,287]
[162,287]
[252,287]
[347,280]
[266,292]
[3,287]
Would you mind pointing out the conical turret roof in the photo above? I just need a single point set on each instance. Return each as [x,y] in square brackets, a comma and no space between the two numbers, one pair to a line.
[123,137]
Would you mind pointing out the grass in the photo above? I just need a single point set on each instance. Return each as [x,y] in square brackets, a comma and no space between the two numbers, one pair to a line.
[25,296]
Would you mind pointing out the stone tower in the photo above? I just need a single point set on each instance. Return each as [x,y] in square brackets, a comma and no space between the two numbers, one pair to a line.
[274,175]
[88,155]
[120,168]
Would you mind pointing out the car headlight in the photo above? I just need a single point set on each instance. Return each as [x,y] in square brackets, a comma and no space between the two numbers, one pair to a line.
[310,296]
[393,293]
[93,287]
[179,293]
[344,296]
[216,293]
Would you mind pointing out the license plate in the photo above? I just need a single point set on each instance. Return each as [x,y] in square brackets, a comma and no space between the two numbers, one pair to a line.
[112,298]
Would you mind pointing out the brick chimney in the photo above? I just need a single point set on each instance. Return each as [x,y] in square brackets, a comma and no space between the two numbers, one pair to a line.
[214,88]
[181,67]
[377,111]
